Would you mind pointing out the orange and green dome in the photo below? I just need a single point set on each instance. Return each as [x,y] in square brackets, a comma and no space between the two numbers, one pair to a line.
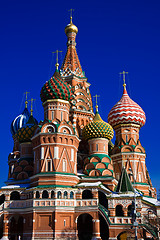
[56,88]
[97,129]
[25,133]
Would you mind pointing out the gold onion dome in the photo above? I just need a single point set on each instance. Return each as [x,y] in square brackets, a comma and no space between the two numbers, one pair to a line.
[71,27]
[97,128]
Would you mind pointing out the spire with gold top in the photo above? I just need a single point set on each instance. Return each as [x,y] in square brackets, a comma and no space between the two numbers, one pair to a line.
[71,65]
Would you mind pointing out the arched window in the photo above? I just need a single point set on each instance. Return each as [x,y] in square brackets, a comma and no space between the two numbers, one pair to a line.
[52,194]
[129,212]
[15,196]
[71,195]
[119,211]
[45,194]
[2,199]
[59,194]
[87,194]
[65,195]
[37,195]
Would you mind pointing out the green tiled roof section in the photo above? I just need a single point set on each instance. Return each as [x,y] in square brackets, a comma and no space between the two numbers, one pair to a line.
[105,213]
[124,183]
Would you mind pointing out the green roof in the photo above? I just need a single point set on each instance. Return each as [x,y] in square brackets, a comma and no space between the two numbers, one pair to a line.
[124,183]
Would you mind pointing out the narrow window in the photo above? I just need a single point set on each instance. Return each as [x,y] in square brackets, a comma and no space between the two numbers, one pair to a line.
[52,115]
[96,147]
[126,138]
[64,223]
[61,116]
[49,166]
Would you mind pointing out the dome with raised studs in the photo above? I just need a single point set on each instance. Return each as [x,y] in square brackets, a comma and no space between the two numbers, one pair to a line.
[25,133]
[97,129]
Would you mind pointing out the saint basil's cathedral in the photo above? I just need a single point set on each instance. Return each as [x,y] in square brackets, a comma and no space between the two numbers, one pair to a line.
[67,179]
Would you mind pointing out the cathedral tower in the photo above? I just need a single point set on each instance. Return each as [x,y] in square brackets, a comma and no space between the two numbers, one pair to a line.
[81,111]
[127,117]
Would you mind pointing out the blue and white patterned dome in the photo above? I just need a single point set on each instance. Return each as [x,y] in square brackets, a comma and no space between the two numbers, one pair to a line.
[20,121]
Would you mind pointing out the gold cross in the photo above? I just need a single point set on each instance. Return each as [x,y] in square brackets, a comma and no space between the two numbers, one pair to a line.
[57,64]
[26,102]
[124,78]
[71,12]
[96,96]
[32,105]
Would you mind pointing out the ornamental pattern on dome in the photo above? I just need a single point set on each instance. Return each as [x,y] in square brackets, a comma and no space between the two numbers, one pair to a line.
[126,111]
[97,129]
[56,88]
[20,121]
[25,133]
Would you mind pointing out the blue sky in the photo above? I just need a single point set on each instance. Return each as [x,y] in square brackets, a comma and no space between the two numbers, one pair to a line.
[113,36]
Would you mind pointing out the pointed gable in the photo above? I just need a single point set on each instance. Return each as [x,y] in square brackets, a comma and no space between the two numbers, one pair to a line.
[124,183]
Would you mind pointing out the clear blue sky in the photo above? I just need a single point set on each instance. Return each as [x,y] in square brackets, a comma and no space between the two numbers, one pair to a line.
[113,36]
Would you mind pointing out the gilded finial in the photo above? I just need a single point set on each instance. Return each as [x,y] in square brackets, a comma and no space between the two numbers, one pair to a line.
[26,102]
[32,105]
[71,27]
[57,64]
[124,78]
[96,96]
[71,14]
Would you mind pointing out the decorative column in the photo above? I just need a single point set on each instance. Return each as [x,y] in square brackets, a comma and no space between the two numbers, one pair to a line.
[96,229]
[5,227]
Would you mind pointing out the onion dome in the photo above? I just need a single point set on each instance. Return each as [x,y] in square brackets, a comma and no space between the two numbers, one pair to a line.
[25,133]
[56,88]
[126,111]
[71,27]
[20,121]
[97,128]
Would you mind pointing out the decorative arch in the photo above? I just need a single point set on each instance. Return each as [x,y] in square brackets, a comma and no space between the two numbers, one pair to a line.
[51,128]
[119,211]
[87,194]
[85,226]
[67,127]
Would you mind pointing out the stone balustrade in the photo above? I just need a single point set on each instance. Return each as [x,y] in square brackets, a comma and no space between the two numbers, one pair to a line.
[122,220]
[50,203]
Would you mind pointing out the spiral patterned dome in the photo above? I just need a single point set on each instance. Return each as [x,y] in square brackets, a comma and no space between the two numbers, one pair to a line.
[97,129]
[19,121]
[25,133]
[126,111]
[56,88]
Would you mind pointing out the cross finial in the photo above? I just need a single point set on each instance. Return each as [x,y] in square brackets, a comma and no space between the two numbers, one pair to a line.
[71,13]
[26,102]
[124,78]
[32,105]
[57,64]
[96,96]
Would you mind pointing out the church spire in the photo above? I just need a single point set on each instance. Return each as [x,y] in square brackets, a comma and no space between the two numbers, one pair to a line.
[71,65]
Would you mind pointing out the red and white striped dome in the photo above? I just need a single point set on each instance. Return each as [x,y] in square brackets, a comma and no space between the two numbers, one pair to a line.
[126,111]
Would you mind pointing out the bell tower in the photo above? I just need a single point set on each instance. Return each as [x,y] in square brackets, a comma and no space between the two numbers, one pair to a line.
[81,111]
